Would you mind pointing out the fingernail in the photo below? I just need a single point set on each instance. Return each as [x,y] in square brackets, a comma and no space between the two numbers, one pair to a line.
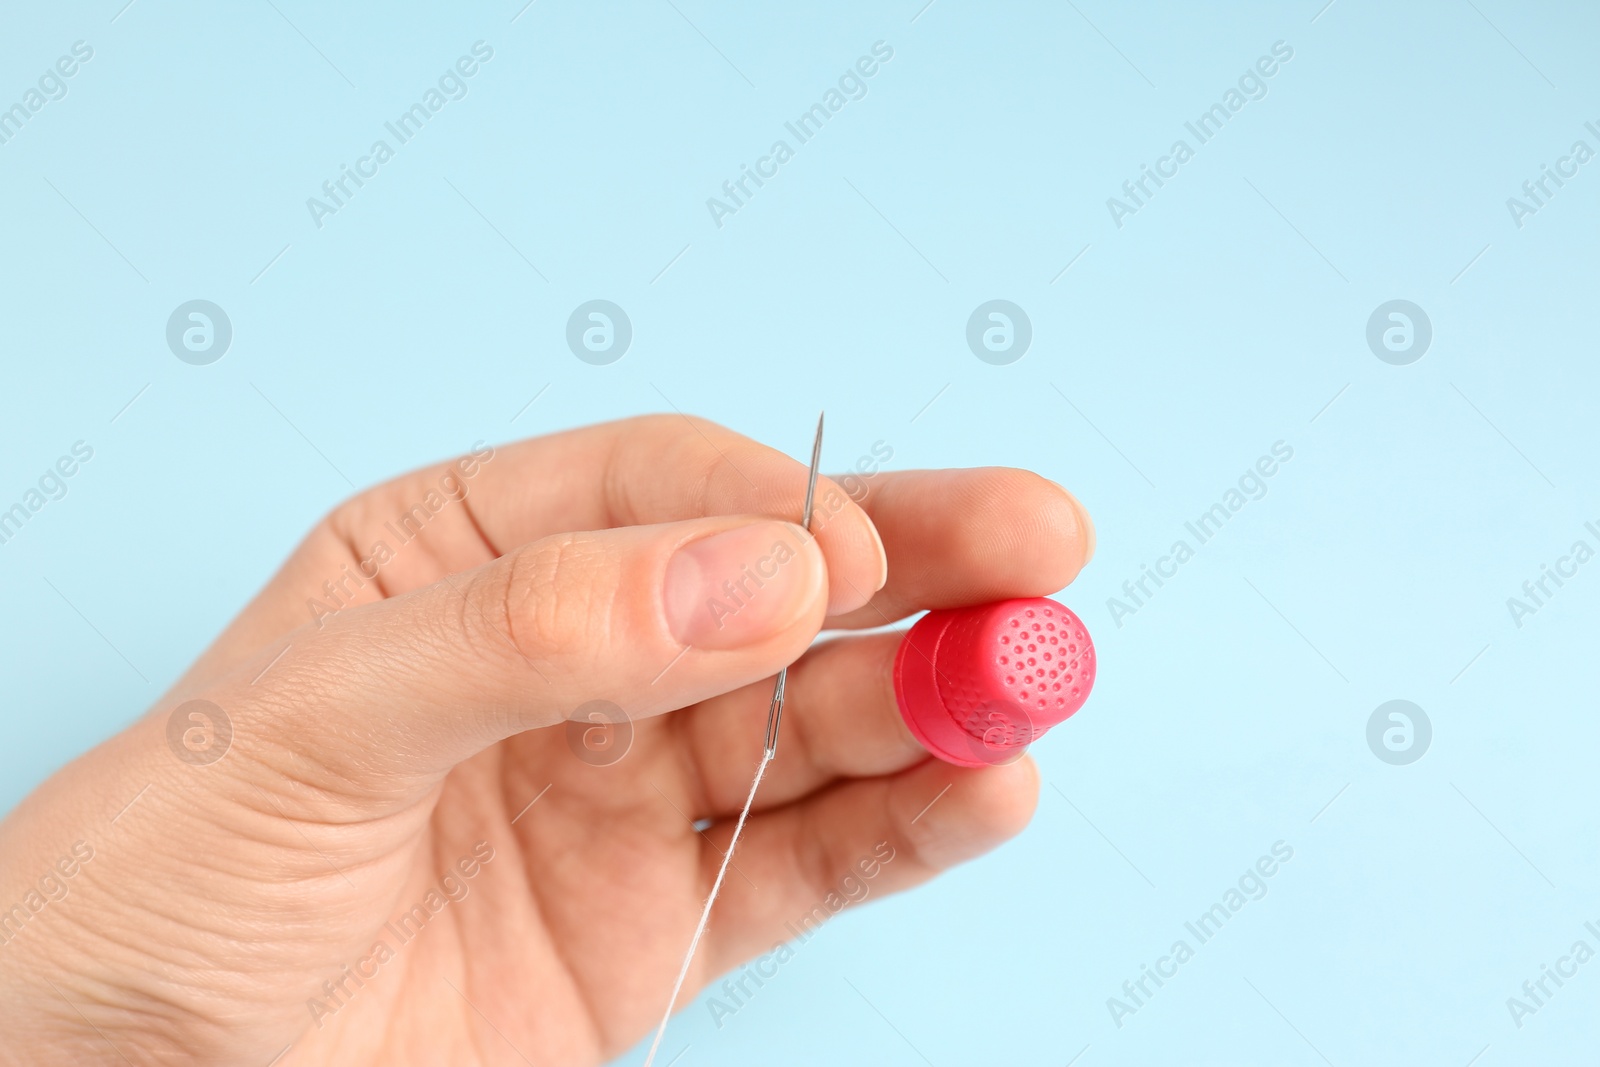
[1086,522]
[845,596]
[883,557]
[742,586]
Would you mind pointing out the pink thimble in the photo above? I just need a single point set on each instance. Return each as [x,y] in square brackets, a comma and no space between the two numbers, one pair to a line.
[977,685]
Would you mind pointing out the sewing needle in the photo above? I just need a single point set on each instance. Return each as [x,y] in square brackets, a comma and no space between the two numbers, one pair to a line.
[774,714]
[775,711]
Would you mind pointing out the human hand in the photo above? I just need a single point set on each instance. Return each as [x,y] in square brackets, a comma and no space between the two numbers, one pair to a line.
[391,766]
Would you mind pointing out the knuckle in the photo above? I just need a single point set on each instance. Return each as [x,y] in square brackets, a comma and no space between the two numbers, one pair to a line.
[817,863]
[352,514]
[350,523]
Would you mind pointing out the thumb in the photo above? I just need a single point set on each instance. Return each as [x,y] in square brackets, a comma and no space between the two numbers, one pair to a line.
[650,618]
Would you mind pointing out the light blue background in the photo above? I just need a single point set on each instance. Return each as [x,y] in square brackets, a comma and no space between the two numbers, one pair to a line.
[1223,317]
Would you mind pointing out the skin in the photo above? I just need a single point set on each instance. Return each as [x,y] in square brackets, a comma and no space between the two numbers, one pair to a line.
[401,738]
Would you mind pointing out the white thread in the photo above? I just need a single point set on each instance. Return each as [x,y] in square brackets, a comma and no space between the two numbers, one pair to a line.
[716,887]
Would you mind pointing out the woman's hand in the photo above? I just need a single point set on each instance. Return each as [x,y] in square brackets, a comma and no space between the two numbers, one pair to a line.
[366,828]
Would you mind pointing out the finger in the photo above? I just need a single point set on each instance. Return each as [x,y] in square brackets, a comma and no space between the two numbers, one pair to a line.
[959,537]
[840,720]
[652,469]
[640,617]
[857,840]
[1023,536]
[450,517]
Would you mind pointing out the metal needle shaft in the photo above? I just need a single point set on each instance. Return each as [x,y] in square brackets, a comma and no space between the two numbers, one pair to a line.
[775,710]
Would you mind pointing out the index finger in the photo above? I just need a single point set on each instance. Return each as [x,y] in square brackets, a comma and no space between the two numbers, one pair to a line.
[635,472]
[435,522]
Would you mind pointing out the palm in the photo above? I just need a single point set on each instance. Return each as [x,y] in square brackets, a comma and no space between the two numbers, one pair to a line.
[573,931]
